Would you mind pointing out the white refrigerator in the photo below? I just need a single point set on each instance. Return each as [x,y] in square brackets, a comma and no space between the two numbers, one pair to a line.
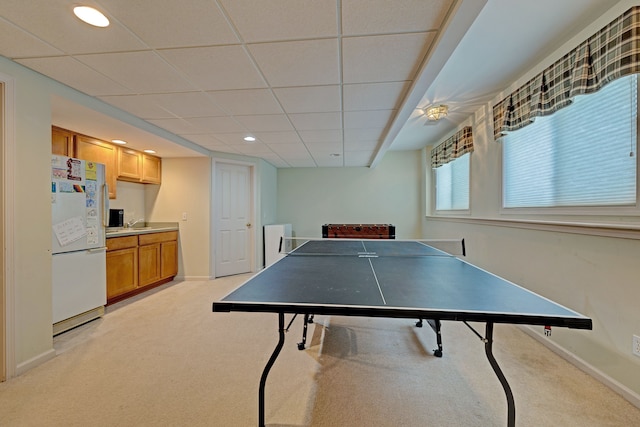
[79,201]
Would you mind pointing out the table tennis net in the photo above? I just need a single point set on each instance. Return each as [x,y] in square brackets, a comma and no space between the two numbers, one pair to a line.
[297,246]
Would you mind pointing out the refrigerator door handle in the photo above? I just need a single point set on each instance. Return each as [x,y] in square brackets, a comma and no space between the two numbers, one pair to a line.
[100,249]
[105,205]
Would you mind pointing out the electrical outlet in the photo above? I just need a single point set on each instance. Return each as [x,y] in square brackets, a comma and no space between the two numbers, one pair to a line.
[636,345]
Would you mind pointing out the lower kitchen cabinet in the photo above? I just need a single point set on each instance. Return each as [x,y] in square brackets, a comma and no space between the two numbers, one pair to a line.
[140,262]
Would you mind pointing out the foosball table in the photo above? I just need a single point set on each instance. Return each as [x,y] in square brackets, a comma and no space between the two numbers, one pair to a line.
[358,231]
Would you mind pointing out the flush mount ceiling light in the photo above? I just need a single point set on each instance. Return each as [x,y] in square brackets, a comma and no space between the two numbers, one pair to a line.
[91,16]
[436,112]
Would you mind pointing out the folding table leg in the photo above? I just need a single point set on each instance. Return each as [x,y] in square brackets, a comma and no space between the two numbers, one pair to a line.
[436,326]
[511,405]
[267,368]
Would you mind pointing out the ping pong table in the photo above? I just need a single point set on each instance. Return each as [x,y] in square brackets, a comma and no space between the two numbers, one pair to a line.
[391,278]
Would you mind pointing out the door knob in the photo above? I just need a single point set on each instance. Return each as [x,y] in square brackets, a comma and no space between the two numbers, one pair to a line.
[248,224]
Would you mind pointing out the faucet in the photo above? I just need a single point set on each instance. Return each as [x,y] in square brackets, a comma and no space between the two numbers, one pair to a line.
[133,222]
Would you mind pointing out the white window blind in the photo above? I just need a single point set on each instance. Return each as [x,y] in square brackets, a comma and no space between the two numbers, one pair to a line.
[582,155]
[452,184]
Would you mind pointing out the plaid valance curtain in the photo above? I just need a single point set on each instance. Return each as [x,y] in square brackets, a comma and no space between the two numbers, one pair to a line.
[611,53]
[453,147]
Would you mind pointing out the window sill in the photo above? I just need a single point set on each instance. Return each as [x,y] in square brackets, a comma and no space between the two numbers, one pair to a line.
[620,231]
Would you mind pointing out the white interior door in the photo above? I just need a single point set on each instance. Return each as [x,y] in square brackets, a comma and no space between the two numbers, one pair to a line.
[233,219]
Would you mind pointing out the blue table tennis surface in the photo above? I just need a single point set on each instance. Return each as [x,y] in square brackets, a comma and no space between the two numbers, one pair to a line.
[390,278]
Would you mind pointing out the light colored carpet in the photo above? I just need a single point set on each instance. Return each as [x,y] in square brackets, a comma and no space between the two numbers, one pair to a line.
[164,359]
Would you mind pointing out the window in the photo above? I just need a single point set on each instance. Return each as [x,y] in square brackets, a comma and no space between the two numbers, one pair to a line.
[582,155]
[452,184]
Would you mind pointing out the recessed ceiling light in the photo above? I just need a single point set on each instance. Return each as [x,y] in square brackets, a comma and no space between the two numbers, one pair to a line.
[118,141]
[91,16]
[149,151]
[249,138]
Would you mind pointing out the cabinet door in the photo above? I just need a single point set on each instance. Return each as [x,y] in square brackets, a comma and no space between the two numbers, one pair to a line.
[122,271]
[151,169]
[62,142]
[149,262]
[98,151]
[129,165]
[169,265]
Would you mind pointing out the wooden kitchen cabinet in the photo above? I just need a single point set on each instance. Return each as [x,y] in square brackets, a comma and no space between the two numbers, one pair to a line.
[169,259]
[151,169]
[149,270]
[62,142]
[122,266]
[140,262]
[94,150]
[129,165]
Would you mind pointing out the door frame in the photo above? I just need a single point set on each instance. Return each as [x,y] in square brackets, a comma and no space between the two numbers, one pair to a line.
[7,222]
[214,213]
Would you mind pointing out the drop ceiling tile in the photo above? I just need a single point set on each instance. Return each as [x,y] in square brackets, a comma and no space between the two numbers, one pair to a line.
[321,136]
[369,134]
[16,43]
[384,16]
[301,163]
[289,149]
[326,148]
[167,105]
[282,19]
[215,124]
[384,58]
[75,74]
[265,123]
[142,72]
[316,121]
[358,158]
[56,23]
[367,119]
[361,145]
[278,137]
[247,101]
[374,96]
[173,24]
[216,67]
[309,99]
[253,149]
[298,63]
[233,138]
[177,126]
[324,161]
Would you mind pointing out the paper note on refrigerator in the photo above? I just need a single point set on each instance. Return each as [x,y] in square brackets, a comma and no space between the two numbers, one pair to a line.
[69,230]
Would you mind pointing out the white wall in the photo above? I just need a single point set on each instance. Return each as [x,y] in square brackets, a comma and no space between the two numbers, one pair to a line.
[185,188]
[30,211]
[389,193]
[597,275]
[130,196]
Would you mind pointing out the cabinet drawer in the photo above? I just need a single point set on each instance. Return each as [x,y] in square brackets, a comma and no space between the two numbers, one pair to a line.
[165,236]
[114,243]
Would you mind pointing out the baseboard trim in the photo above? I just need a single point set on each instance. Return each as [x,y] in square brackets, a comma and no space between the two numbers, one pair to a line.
[193,278]
[621,389]
[35,361]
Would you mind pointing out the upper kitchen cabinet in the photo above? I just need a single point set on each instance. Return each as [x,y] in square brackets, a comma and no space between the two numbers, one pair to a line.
[62,142]
[129,165]
[94,150]
[135,166]
[151,169]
